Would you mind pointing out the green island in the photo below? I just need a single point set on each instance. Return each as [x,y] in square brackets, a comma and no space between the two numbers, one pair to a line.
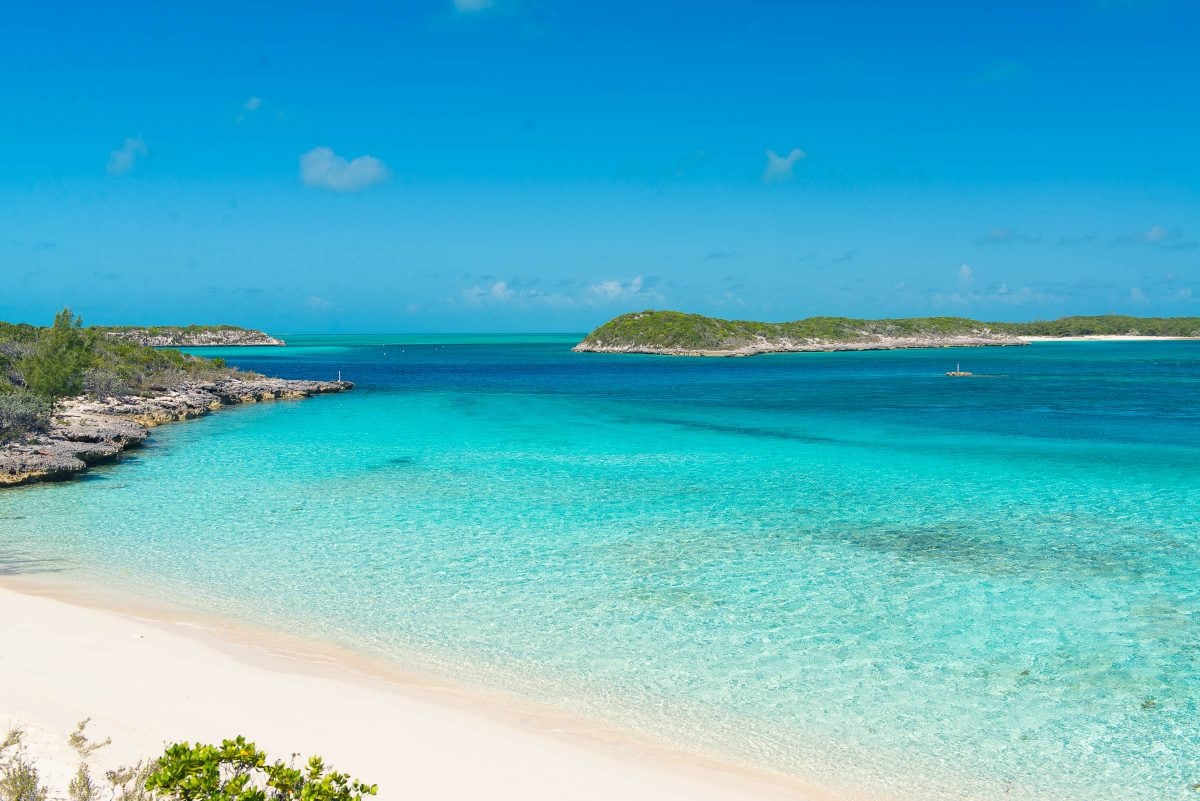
[189,336]
[681,334]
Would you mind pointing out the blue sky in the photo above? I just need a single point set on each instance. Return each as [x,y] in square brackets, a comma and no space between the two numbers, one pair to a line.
[466,165]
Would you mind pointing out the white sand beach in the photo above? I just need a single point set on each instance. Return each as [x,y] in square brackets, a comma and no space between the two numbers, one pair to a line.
[145,683]
[1105,338]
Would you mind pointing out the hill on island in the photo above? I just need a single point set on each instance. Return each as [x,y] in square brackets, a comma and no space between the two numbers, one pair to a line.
[678,333]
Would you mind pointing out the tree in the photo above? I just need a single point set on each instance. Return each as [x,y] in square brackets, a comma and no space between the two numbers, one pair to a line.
[238,771]
[63,352]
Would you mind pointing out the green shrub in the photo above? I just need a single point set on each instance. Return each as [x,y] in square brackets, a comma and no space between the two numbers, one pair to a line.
[238,771]
[19,778]
[60,357]
[22,413]
[234,771]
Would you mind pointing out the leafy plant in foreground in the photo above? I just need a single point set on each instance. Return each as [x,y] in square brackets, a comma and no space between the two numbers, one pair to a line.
[19,778]
[238,771]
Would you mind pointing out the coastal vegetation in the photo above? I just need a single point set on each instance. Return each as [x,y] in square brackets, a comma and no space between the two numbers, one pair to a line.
[236,770]
[1105,325]
[672,329]
[38,366]
[678,332]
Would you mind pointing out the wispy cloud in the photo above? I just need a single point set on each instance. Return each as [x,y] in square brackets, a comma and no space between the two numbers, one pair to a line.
[779,168]
[471,6]
[253,104]
[322,168]
[1126,5]
[1156,235]
[849,255]
[607,291]
[526,293]
[1001,71]
[319,305]
[1006,236]
[1068,241]
[125,158]
[1001,293]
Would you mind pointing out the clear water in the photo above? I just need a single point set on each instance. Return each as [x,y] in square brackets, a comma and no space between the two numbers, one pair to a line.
[846,567]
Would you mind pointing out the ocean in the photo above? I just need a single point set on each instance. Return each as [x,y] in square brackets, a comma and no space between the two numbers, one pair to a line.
[843,567]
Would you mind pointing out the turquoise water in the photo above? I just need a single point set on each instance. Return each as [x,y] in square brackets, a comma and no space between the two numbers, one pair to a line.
[846,567]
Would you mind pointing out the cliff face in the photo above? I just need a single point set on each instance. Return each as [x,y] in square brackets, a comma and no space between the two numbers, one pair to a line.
[193,336]
[86,431]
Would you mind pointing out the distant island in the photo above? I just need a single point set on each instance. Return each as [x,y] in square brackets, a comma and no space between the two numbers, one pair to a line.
[675,333]
[189,336]
[71,396]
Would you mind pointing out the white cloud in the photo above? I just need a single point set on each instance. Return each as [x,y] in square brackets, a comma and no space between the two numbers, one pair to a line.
[125,158]
[469,6]
[779,168]
[1154,235]
[966,276]
[321,167]
[317,304]
[1136,295]
[525,293]
[1157,234]
[615,290]
[496,292]
[253,104]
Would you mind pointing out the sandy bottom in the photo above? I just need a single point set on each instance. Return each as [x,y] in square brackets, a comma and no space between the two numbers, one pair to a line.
[148,682]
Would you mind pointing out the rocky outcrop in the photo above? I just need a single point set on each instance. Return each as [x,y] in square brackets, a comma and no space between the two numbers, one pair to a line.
[789,345]
[193,337]
[89,431]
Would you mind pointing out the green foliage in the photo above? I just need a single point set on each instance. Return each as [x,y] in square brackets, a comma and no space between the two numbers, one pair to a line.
[671,330]
[238,771]
[19,778]
[1105,325]
[676,330]
[21,413]
[68,359]
[62,353]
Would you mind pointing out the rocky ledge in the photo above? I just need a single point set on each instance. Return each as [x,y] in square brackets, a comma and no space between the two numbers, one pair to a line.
[87,431]
[760,344]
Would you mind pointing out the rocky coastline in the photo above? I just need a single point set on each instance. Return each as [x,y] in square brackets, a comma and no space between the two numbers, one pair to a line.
[87,431]
[194,337]
[760,345]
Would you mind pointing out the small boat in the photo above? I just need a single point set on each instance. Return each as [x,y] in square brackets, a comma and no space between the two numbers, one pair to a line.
[958,372]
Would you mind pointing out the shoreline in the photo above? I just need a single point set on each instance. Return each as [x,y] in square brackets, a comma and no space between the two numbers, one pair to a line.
[765,346]
[86,432]
[1110,338]
[151,648]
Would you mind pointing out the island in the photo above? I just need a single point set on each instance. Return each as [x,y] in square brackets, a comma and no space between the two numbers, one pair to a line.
[72,397]
[674,333]
[190,336]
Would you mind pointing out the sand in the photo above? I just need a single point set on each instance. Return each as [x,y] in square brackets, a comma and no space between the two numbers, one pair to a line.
[1104,338]
[147,682]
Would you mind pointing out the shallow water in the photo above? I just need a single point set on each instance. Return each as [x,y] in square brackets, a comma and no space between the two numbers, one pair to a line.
[847,567]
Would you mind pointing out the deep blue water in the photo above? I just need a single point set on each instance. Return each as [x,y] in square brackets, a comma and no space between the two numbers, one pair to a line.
[847,567]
